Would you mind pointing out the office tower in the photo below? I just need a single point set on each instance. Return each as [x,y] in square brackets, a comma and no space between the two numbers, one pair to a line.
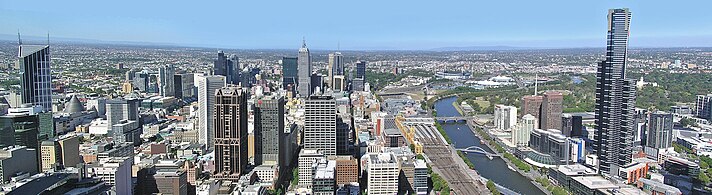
[382,173]
[339,83]
[615,98]
[567,122]
[207,86]
[358,84]
[361,69]
[36,75]
[320,124]
[184,86]
[130,74]
[118,110]
[230,132]
[116,172]
[550,144]
[305,70]
[307,158]
[505,117]
[127,131]
[317,82]
[531,104]
[420,180]
[336,67]
[343,130]
[59,153]
[521,133]
[171,181]
[551,109]
[228,67]
[659,130]
[324,177]
[141,81]
[17,160]
[40,119]
[50,156]
[269,125]
[165,80]
[290,74]
[703,107]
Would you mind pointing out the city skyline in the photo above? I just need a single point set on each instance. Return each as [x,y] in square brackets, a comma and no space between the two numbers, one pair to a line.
[469,24]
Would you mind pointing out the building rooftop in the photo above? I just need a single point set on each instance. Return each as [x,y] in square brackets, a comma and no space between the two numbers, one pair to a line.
[26,50]
[325,170]
[595,182]
[575,169]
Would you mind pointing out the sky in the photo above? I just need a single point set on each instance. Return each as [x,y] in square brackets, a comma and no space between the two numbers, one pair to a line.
[362,24]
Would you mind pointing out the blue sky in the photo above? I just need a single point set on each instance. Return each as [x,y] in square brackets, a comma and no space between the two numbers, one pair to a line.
[364,24]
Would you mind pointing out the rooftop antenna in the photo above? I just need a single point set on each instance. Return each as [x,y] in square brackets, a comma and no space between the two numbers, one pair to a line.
[304,42]
[338,46]
[19,40]
[536,82]
[47,38]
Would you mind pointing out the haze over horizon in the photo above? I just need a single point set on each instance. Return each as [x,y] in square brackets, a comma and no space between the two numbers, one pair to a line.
[392,25]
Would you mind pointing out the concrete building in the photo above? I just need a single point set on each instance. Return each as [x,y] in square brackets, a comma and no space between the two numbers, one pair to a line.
[172,181]
[207,86]
[324,177]
[336,68]
[531,105]
[615,98]
[116,172]
[230,133]
[18,160]
[551,109]
[127,131]
[420,180]
[382,173]
[346,170]
[121,109]
[522,132]
[320,124]
[307,158]
[505,117]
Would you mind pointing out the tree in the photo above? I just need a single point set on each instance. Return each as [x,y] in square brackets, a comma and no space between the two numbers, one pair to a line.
[686,122]
[704,165]
[703,178]
[492,188]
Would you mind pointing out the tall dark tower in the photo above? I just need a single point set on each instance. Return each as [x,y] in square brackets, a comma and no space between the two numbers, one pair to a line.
[228,67]
[230,132]
[36,74]
[269,125]
[615,98]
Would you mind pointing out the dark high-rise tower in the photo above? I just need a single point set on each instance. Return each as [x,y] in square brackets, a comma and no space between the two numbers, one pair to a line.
[36,76]
[230,132]
[269,125]
[659,128]
[615,98]
[361,69]
[289,72]
[228,67]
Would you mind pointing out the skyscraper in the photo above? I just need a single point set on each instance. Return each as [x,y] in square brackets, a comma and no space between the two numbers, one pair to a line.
[289,72]
[551,109]
[305,71]
[228,67]
[121,109]
[659,130]
[320,124]
[522,132]
[207,85]
[505,117]
[269,125]
[531,104]
[703,106]
[615,98]
[165,80]
[361,69]
[35,75]
[336,67]
[230,132]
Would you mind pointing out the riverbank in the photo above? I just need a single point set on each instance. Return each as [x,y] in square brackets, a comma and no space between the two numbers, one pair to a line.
[531,175]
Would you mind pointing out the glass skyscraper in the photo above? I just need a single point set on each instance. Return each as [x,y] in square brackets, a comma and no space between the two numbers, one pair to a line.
[36,76]
[615,98]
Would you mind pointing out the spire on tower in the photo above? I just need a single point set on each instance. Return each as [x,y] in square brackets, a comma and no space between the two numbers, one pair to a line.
[19,40]
[47,38]
[536,82]
[304,42]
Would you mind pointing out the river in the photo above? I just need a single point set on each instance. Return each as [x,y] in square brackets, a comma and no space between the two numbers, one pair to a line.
[496,169]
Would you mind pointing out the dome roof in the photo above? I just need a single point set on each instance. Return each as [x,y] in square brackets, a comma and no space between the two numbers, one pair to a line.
[74,106]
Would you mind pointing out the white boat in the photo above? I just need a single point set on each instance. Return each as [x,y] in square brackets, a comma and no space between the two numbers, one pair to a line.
[511,168]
